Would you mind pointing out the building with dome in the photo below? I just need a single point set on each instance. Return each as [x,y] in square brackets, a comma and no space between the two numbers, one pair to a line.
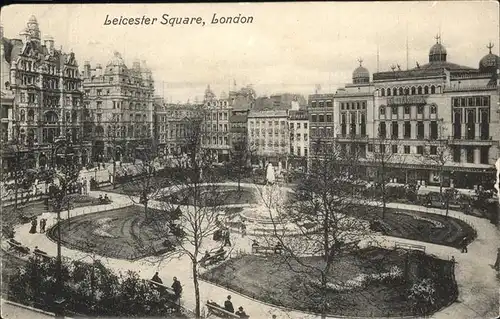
[118,102]
[41,98]
[436,123]
[354,111]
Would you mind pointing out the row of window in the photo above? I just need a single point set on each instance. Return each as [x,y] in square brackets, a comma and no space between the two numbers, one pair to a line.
[304,153]
[357,105]
[267,123]
[384,132]
[470,101]
[218,103]
[215,141]
[223,116]
[138,94]
[292,126]
[321,104]
[322,118]
[213,128]
[418,90]
[407,109]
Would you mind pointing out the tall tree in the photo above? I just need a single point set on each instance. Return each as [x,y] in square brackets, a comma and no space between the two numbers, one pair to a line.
[241,156]
[386,161]
[438,153]
[143,184]
[64,181]
[189,214]
[319,211]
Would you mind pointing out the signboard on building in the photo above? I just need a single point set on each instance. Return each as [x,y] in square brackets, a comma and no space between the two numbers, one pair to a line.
[406,99]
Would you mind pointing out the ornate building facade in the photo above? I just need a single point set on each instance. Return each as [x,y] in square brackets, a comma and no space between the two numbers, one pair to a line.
[46,90]
[439,116]
[216,126]
[119,106]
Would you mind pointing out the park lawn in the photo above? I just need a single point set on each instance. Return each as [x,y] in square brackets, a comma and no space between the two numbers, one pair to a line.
[270,280]
[122,233]
[401,223]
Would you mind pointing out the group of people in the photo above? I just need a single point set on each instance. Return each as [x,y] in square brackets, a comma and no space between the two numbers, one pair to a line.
[34,223]
[176,285]
[105,199]
[223,235]
[228,306]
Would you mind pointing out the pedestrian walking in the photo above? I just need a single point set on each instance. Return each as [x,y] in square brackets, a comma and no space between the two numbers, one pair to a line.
[177,287]
[33,226]
[464,245]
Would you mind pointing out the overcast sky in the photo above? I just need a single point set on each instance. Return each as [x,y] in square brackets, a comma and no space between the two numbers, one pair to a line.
[289,47]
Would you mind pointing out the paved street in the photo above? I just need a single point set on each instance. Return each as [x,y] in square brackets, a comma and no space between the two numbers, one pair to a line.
[16,311]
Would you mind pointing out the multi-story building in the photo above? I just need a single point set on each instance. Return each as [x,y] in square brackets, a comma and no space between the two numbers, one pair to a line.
[178,122]
[439,106]
[353,112]
[269,136]
[216,126]
[320,110]
[298,123]
[119,100]
[242,102]
[47,98]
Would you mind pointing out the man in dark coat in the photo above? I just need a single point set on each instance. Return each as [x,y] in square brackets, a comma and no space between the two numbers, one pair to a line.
[176,286]
[156,278]
[228,305]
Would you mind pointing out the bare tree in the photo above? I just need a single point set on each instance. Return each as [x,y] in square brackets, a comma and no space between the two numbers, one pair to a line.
[385,161]
[189,215]
[64,181]
[437,152]
[240,160]
[142,183]
[320,212]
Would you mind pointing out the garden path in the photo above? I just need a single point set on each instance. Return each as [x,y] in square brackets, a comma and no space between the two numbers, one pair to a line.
[475,276]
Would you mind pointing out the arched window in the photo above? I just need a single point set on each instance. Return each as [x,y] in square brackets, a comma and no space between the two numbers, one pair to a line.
[382,92]
[68,117]
[23,116]
[394,91]
[433,109]
[407,91]
[419,90]
[400,91]
[413,91]
[426,89]
[433,89]
[389,92]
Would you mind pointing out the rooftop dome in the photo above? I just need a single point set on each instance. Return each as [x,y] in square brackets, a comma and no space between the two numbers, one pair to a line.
[489,61]
[360,74]
[116,60]
[437,53]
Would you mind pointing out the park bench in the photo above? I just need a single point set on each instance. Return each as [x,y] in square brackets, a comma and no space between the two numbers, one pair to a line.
[18,247]
[349,246]
[41,254]
[218,311]
[266,250]
[163,288]
[409,246]
[218,257]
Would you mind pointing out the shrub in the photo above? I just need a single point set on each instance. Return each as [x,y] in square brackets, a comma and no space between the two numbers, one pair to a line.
[423,295]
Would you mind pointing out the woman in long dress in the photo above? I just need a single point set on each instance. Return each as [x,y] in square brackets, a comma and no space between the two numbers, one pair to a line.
[33,226]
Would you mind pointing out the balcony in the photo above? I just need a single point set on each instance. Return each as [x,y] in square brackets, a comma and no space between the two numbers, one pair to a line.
[352,137]
[472,140]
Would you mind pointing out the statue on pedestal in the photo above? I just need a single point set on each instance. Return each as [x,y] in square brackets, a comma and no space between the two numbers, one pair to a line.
[270,178]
